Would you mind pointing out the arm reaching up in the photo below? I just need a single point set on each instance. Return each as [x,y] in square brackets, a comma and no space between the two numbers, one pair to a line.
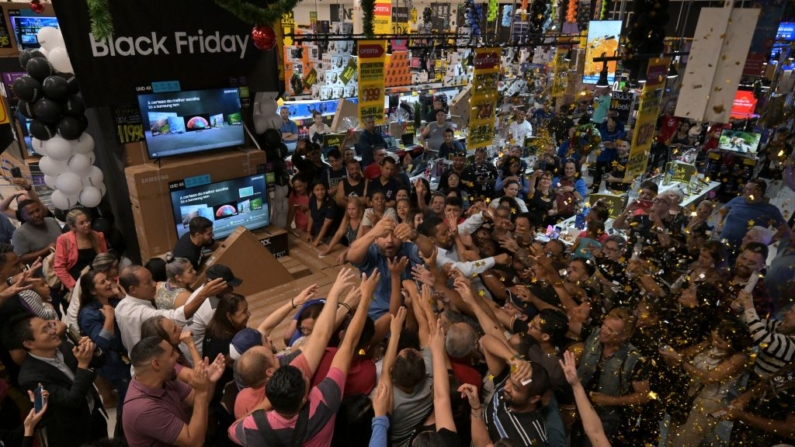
[342,359]
[590,420]
[443,412]
[268,324]
[395,326]
[314,348]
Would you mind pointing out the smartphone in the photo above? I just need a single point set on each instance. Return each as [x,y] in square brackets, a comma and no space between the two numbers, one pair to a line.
[542,166]
[16,172]
[38,399]
[611,231]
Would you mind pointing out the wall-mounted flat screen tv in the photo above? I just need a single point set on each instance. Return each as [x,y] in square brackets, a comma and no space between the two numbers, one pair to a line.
[26,29]
[739,141]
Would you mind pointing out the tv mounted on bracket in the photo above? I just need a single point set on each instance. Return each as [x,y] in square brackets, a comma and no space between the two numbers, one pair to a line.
[180,123]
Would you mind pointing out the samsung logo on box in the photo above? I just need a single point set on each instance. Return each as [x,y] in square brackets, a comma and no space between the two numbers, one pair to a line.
[155,178]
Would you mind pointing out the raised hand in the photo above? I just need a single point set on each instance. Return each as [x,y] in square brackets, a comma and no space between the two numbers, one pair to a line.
[345,279]
[521,370]
[436,341]
[509,244]
[464,288]
[186,337]
[423,275]
[353,297]
[34,418]
[369,284]
[471,393]
[398,266]
[108,312]
[216,369]
[199,380]
[383,401]
[305,295]
[384,227]
[396,325]
[404,232]
[214,287]
[84,352]
[569,366]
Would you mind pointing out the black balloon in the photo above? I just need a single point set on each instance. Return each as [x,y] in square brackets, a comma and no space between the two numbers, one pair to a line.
[25,108]
[47,111]
[27,55]
[41,130]
[24,57]
[70,128]
[39,68]
[55,88]
[74,107]
[71,82]
[83,124]
[27,88]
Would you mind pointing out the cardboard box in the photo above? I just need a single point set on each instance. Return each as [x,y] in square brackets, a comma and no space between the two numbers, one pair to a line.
[249,261]
[274,239]
[151,201]
[135,153]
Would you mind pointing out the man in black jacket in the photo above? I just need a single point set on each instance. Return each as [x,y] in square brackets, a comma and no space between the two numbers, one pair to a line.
[75,414]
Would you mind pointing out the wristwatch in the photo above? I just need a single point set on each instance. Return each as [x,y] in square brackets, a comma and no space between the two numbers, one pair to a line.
[10,280]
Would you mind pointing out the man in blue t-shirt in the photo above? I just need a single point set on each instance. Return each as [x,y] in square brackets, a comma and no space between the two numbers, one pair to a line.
[748,210]
[375,249]
[289,129]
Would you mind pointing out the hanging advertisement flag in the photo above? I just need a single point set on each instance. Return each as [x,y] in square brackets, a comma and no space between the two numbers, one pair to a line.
[382,17]
[485,81]
[648,111]
[372,55]
[602,38]
[560,77]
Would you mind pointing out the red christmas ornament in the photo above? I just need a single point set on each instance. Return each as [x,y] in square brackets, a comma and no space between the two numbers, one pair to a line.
[264,37]
[37,6]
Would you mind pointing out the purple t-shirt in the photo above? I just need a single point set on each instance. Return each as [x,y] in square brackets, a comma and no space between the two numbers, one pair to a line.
[154,417]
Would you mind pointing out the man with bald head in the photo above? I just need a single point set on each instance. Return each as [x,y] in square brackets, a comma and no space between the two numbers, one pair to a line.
[461,344]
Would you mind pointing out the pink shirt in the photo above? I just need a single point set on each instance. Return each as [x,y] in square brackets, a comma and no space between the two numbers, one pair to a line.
[301,217]
[154,417]
[324,402]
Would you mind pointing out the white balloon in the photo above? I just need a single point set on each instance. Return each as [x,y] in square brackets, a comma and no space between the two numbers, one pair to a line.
[44,51]
[69,183]
[51,167]
[91,157]
[94,178]
[38,146]
[79,164]
[63,201]
[58,148]
[50,37]
[49,180]
[84,144]
[90,196]
[59,59]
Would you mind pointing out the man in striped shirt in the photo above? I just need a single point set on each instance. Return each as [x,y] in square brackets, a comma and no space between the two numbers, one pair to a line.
[515,409]
[775,339]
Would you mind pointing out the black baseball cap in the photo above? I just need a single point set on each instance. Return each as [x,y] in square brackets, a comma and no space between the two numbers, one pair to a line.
[225,273]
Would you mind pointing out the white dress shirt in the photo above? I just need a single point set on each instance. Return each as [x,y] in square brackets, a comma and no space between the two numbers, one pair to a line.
[198,323]
[131,312]
[519,131]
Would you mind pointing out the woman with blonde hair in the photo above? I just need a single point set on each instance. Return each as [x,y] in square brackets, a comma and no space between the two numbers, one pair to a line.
[77,249]
[176,290]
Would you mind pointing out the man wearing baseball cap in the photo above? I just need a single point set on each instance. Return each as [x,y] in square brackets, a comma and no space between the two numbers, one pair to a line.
[205,313]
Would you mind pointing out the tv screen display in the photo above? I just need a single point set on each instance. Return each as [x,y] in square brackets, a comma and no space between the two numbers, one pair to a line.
[179,123]
[26,28]
[739,141]
[228,204]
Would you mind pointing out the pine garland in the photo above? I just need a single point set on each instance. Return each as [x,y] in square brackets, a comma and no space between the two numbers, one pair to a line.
[102,22]
[368,15]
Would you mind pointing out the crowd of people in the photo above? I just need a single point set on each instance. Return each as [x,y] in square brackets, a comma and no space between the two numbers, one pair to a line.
[456,318]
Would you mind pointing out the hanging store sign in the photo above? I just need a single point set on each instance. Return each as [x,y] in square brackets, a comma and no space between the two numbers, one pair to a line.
[372,55]
[202,46]
[643,134]
[560,77]
[382,17]
[485,81]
